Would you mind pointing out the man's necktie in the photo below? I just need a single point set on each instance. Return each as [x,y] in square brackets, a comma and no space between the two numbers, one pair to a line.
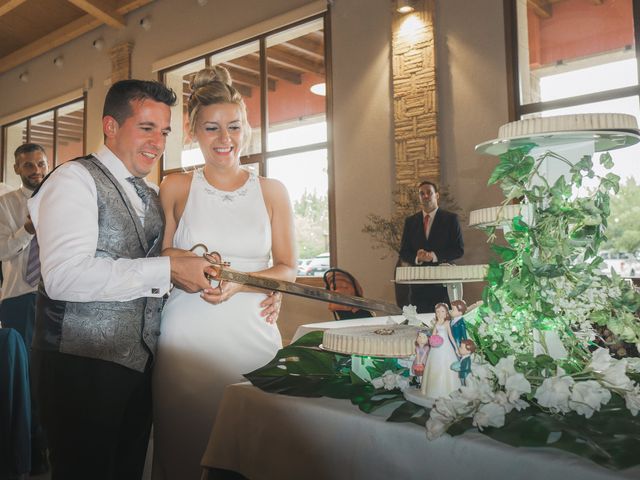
[153,218]
[142,189]
[426,226]
[32,272]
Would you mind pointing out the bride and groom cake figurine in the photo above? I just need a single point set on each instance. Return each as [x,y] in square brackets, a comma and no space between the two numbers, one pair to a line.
[443,353]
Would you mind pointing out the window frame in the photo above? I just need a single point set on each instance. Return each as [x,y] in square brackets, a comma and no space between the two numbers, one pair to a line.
[517,110]
[261,158]
[6,157]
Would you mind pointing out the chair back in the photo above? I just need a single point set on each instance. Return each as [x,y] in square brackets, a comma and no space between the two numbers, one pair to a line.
[15,405]
[341,281]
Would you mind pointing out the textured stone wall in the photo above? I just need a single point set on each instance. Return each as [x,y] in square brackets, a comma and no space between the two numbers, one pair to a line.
[121,61]
[415,103]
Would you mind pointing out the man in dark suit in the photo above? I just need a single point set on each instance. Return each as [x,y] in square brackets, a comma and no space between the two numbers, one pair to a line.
[430,237]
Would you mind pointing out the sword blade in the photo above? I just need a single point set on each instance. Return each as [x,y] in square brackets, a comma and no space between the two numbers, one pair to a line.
[306,291]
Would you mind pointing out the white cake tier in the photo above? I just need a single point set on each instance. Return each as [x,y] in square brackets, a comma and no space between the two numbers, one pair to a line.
[599,131]
[443,273]
[372,340]
[564,123]
[502,215]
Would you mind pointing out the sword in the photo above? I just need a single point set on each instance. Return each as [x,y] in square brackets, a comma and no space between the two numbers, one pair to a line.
[223,272]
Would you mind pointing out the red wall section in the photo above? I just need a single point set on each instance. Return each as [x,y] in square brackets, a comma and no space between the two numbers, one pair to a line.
[578,28]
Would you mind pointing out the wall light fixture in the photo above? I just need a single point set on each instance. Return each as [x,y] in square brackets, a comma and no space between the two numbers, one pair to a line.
[404,6]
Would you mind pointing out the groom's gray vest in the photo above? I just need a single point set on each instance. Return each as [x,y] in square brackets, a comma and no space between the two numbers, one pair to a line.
[122,332]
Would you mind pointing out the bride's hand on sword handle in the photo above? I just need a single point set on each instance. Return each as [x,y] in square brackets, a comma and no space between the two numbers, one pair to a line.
[225,290]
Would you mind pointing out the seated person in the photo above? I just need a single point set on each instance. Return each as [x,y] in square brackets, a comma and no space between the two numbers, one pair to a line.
[340,281]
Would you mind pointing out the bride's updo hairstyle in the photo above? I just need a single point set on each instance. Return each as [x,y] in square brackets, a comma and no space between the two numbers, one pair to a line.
[210,86]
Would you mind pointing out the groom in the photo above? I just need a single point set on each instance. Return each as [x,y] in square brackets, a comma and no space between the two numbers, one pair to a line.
[99,226]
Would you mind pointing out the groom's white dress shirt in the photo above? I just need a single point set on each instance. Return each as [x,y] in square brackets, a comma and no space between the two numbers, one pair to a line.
[65,215]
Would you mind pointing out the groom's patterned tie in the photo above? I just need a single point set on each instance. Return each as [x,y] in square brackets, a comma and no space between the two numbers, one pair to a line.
[32,272]
[153,218]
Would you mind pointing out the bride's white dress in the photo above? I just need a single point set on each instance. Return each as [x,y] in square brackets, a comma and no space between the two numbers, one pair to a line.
[438,380]
[204,347]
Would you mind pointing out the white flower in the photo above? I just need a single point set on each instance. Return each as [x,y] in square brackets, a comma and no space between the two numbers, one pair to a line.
[479,369]
[516,385]
[633,364]
[587,396]
[504,369]
[501,399]
[445,407]
[435,427]
[555,391]
[615,376]
[489,415]
[632,400]
[390,380]
[410,312]
[600,360]
[477,390]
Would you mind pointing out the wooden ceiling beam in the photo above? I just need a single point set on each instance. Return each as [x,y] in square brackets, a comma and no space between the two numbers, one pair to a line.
[72,30]
[100,10]
[249,79]
[280,55]
[273,71]
[306,46]
[244,90]
[7,5]
[541,8]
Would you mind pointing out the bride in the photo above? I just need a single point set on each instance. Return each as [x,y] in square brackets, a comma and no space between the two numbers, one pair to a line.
[209,339]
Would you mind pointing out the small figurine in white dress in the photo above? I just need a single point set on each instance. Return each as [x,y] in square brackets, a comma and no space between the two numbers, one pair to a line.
[438,379]
[210,339]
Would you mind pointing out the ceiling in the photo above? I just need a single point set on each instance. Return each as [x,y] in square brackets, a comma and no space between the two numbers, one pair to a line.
[29,28]
[544,8]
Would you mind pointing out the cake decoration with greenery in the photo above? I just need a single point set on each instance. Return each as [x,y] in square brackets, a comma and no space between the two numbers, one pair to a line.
[543,374]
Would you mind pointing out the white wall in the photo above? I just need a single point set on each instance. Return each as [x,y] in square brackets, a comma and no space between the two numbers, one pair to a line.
[472,105]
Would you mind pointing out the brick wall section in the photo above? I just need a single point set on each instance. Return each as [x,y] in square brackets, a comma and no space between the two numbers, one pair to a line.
[121,61]
[415,95]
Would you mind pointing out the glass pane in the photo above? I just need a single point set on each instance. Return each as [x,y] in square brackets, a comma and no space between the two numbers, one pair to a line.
[305,176]
[243,64]
[16,135]
[41,132]
[70,132]
[623,236]
[296,89]
[574,47]
[178,150]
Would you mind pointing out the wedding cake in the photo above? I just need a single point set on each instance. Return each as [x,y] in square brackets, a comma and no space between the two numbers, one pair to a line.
[564,123]
[442,273]
[504,214]
[372,340]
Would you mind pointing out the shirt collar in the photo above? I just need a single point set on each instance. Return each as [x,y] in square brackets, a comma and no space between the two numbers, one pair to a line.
[113,163]
[431,214]
[26,192]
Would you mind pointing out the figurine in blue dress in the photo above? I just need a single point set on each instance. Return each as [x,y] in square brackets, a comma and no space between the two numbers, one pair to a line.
[458,327]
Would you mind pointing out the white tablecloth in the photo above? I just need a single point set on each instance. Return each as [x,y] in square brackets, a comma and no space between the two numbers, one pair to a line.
[277,437]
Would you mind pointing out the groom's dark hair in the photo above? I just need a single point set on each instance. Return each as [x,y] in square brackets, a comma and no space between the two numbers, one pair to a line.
[117,102]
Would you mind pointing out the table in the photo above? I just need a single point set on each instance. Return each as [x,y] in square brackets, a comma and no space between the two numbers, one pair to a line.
[268,436]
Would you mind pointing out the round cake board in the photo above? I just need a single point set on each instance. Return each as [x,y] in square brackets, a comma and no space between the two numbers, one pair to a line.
[414,395]
[601,140]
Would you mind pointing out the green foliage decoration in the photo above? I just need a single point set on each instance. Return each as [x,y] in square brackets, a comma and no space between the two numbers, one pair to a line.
[547,276]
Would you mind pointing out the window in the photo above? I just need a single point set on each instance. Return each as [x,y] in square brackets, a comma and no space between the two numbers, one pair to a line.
[60,130]
[576,56]
[282,77]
